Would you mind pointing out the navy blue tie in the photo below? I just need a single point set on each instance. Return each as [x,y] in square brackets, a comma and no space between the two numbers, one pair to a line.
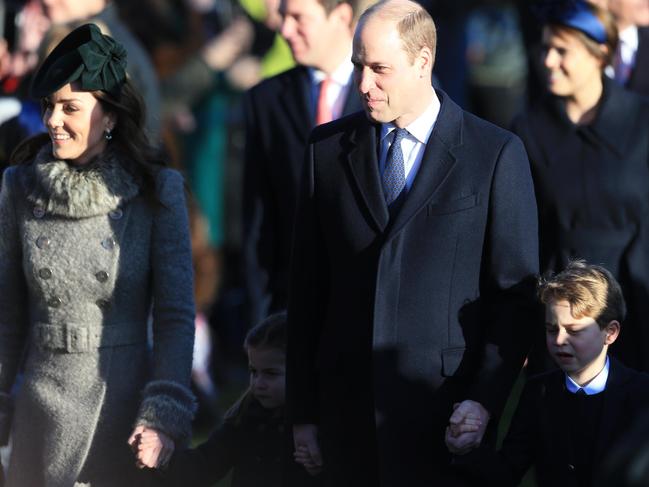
[394,174]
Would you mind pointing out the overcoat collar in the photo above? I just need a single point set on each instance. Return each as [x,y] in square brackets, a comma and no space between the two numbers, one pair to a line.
[437,162]
[78,192]
[611,126]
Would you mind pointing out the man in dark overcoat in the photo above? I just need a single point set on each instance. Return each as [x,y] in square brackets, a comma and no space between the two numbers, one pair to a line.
[280,112]
[411,274]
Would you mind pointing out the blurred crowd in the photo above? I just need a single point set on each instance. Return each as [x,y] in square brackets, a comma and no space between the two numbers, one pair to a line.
[193,61]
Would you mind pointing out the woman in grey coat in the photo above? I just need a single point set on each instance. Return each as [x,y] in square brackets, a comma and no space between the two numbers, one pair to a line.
[95,241]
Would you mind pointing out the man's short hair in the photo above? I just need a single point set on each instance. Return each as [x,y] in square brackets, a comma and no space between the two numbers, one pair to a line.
[358,6]
[590,290]
[415,25]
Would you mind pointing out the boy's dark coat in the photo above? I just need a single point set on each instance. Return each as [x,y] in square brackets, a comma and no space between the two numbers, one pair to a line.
[540,432]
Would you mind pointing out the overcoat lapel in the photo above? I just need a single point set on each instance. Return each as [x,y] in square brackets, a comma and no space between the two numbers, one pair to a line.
[298,108]
[437,162]
[364,167]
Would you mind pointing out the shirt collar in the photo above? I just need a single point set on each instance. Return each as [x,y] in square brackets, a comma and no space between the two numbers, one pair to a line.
[422,126]
[629,37]
[341,75]
[595,386]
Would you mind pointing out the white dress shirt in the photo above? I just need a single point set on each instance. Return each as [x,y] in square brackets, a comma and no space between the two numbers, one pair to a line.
[341,81]
[413,144]
[625,57]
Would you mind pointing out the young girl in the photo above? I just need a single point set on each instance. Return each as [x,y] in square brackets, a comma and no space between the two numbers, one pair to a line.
[253,442]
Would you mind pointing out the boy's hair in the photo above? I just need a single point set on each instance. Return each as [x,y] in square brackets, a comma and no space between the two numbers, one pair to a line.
[590,290]
[270,333]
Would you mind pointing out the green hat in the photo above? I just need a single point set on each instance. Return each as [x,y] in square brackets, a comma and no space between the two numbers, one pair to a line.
[85,55]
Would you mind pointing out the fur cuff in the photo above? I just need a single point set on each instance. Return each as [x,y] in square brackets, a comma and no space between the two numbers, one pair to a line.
[6,414]
[169,407]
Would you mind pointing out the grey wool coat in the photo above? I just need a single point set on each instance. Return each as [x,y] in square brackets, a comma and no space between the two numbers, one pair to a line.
[85,260]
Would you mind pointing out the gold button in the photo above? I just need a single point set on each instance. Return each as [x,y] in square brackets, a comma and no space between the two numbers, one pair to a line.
[116,214]
[38,212]
[54,302]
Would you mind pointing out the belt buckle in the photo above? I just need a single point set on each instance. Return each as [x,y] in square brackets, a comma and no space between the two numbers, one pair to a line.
[76,338]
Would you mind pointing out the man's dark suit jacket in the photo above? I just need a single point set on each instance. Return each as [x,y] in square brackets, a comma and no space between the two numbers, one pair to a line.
[639,80]
[395,320]
[279,117]
[540,432]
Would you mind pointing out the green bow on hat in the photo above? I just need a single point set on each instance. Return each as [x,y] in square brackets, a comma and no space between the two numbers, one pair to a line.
[87,56]
[105,64]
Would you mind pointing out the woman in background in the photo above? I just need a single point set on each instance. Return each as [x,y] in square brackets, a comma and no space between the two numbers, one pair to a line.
[588,145]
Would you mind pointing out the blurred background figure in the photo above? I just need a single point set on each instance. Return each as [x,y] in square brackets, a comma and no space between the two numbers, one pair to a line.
[496,61]
[630,65]
[280,113]
[24,27]
[587,144]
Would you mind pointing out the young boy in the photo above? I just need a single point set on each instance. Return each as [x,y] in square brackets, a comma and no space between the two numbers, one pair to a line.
[567,419]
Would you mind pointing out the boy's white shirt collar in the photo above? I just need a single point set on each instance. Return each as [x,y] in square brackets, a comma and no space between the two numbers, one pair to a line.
[595,386]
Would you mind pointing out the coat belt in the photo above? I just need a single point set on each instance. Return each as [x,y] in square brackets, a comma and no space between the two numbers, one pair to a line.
[73,338]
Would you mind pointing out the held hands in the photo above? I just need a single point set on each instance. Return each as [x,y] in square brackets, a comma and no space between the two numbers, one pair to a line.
[307,451]
[152,448]
[467,426]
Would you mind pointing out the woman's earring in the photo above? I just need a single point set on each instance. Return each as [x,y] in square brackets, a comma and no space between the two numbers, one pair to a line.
[108,135]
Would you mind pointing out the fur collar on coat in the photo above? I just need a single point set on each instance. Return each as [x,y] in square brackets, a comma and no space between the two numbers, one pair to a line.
[79,192]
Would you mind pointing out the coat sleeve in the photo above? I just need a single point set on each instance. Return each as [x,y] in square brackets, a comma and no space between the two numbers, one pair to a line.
[307,292]
[260,222]
[206,464]
[13,298]
[508,277]
[168,403]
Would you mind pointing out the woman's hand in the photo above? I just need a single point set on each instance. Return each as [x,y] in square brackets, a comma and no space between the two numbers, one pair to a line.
[153,448]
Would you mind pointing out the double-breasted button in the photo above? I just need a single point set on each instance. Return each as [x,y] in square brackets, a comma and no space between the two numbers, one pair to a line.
[43,242]
[54,302]
[571,467]
[108,243]
[116,214]
[102,276]
[45,273]
[38,212]
[103,304]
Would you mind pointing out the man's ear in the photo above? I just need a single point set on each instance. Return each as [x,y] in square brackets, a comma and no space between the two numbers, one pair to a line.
[612,332]
[344,12]
[424,60]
